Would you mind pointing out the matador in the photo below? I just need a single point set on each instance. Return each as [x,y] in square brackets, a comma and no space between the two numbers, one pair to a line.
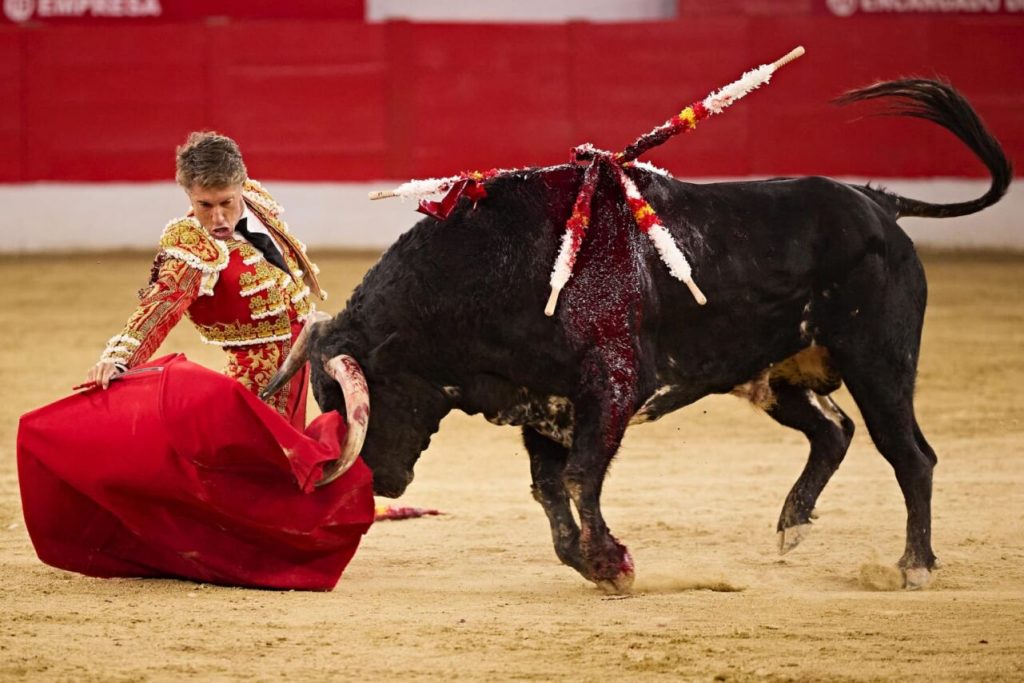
[216,265]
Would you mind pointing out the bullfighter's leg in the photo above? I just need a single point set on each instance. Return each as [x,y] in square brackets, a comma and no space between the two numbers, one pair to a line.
[547,467]
[603,408]
[829,431]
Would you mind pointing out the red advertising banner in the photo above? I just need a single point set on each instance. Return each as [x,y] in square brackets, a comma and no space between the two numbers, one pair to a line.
[120,11]
[350,101]
[849,8]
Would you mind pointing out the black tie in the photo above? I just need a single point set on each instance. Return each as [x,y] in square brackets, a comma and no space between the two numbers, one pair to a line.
[263,243]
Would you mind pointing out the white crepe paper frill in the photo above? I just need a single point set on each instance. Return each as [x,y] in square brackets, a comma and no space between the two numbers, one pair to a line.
[418,189]
[648,166]
[670,253]
[751,80]
[561,271]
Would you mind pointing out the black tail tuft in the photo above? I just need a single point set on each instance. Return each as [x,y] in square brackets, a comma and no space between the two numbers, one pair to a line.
[940,103]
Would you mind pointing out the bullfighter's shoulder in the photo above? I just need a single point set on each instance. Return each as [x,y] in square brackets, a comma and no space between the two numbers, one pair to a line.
[186,240]
[256,194]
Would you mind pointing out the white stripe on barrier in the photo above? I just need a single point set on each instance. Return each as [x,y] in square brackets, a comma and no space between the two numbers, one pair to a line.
[97,216]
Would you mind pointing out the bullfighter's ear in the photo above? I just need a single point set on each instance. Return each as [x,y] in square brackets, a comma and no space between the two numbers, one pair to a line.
[385,355]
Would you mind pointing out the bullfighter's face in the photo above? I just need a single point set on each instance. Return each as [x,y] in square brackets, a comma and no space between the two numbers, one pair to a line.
[217,208]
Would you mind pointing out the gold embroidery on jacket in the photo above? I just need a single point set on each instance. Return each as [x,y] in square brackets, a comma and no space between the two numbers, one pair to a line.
[254,366]
[161,306]
[239,333]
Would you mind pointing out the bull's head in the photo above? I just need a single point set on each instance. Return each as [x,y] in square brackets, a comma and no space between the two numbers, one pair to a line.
[344,375]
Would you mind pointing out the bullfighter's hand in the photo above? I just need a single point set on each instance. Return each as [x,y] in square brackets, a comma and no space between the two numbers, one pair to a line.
[102,373]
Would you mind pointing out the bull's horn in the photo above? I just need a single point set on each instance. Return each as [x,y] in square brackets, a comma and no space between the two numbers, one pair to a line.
[346,371]
[296,357]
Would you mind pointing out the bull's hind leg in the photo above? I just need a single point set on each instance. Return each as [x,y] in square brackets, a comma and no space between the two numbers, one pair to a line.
[547,467]
[889,415]
[877,355]
[829,431]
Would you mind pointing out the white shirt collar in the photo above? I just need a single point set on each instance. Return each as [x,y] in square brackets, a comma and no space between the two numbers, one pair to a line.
[252,223]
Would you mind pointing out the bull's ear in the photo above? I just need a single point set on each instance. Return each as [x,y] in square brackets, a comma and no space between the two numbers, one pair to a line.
[385,356]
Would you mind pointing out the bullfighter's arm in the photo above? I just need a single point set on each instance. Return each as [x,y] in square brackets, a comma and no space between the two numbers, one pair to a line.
[161,306]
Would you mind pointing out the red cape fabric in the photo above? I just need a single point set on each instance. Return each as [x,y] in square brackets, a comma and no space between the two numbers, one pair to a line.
[182,472]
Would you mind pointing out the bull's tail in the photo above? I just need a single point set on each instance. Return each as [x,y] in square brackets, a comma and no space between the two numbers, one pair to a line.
[940,103]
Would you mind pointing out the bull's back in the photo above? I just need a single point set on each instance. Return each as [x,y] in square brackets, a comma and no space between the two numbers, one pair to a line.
[471,289]
[762,252]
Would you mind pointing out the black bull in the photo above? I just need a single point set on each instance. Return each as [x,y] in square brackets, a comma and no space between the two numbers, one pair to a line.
[810,282]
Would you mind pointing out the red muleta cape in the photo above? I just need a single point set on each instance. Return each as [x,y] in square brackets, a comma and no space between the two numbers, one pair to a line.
[182,472]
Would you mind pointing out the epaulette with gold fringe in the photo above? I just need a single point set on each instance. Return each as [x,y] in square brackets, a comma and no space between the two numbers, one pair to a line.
[186,240]
[254,192]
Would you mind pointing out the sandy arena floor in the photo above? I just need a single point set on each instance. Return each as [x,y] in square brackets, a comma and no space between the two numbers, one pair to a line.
[478,594]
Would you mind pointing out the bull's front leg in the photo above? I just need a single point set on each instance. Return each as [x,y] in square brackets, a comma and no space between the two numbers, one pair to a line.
[603,408]
[547,468]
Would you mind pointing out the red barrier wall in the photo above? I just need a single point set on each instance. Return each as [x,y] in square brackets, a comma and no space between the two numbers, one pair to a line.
[335,100]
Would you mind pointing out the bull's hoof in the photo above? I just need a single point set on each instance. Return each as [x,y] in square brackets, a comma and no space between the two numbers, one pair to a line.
[620,585]
[623,581]
[916,578]
[792,537]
